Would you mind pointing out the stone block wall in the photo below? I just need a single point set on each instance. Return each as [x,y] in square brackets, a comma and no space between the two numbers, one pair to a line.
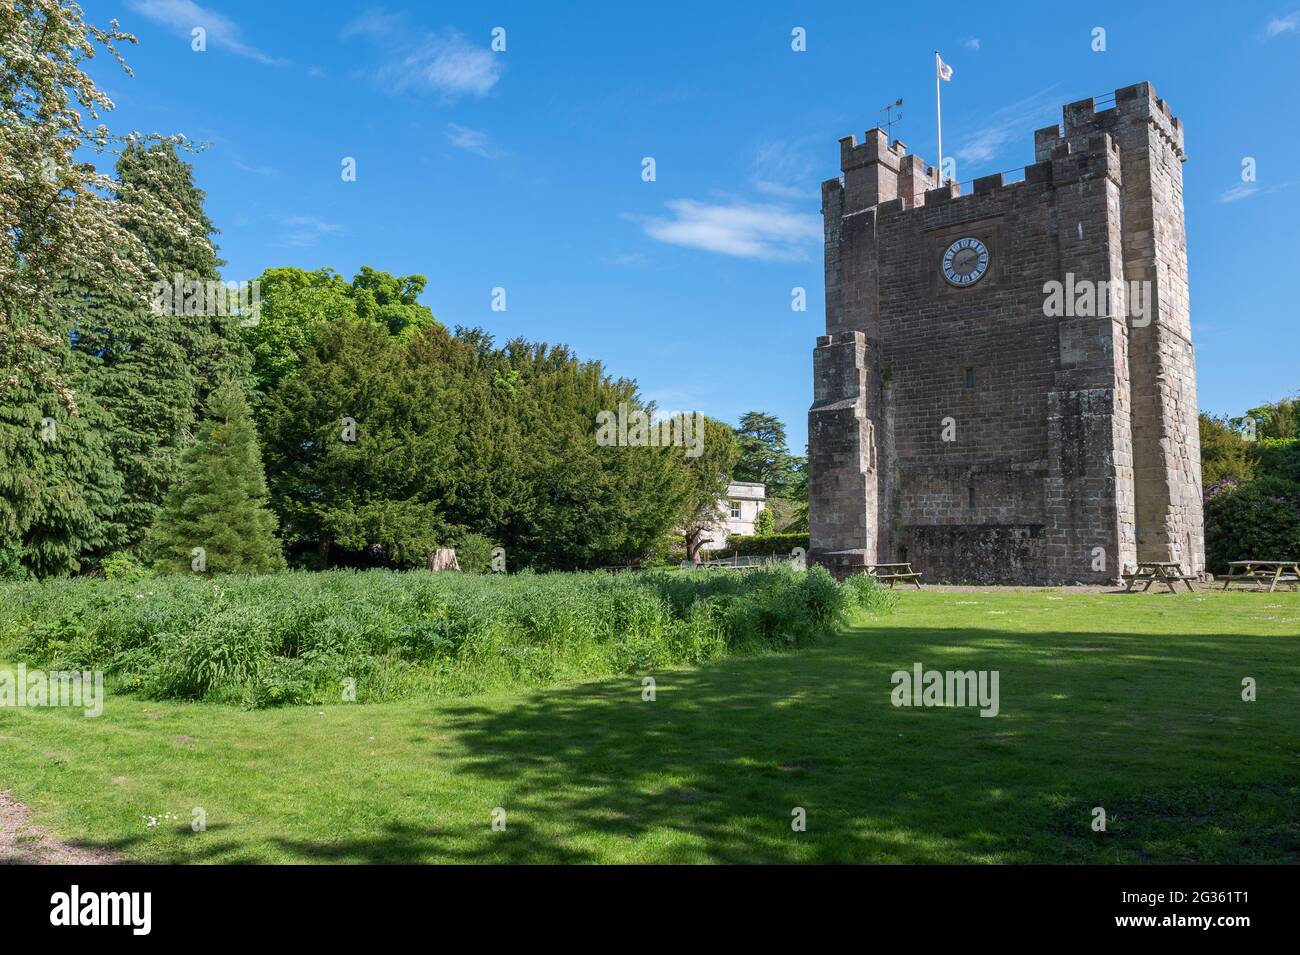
[964,428]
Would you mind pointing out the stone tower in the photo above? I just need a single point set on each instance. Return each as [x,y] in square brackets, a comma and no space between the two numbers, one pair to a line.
[1006,389]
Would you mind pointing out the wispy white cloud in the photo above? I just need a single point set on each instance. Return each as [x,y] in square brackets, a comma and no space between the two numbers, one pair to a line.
[472,141]
[1015,122]
[784,168]
[182,16]
[442,63]
[307,230]
[1287,24]
[255,169]
[1248,190]
[374,22]
[766,232]
[1243,191]
[972,43]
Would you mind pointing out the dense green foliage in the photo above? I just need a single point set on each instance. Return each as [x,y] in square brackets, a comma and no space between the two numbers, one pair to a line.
[763,454]
[706,478]
[297,637]
[381,447]
[1276,419]
[91,484]
[1254,520]
[296,304]
[1251,472]
[763,545]
[59,491]
[1225,454]
[216,512]
[1278,457]
[386,436]
[149,368]
[211,338]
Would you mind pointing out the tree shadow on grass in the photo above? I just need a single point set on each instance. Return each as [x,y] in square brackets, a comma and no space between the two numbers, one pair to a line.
[1152,728]
[715,766]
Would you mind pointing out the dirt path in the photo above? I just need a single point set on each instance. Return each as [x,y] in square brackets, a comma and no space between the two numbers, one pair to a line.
[21,843]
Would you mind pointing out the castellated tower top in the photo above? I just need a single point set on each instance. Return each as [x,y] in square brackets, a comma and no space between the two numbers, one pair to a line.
[1071,433]
[1134,106]
[876,171]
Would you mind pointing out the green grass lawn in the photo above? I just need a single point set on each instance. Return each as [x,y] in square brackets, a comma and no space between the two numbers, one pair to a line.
[1129,702]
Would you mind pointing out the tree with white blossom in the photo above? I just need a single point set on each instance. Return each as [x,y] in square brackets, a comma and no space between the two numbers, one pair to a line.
[60,217]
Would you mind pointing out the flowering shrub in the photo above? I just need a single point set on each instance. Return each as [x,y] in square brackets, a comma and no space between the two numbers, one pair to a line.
[1251,520]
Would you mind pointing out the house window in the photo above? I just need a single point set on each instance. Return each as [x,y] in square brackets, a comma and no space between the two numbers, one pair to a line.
[970,377]
[735,510]
[970,496]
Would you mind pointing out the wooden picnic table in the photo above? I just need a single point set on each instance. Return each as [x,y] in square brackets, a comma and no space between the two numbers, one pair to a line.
[1167,572]
[894,573]
[1274,571]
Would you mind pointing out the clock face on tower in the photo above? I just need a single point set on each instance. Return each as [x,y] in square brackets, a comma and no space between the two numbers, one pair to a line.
[965,262]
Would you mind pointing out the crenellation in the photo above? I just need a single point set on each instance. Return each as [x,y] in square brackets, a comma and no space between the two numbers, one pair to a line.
[1046,140]
[949,190]
[1071,434]
[1040,173]
[1079,114]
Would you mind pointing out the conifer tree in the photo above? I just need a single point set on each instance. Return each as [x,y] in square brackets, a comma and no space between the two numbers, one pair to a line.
[150,368]
[133,364]
[153,181]
[58,488]
[215,519]
[58,217]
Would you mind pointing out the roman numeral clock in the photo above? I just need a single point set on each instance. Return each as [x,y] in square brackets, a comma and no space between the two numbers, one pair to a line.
[965,262]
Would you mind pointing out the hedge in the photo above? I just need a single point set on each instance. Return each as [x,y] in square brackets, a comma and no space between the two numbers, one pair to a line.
[762,546]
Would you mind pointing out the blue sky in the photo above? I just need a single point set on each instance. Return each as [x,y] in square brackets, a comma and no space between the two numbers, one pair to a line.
[522,169]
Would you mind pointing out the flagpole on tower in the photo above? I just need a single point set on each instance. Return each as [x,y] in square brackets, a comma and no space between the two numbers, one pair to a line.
[941,73]
[938,109]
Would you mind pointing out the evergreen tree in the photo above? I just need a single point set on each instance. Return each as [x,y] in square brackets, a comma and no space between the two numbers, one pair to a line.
[134,366]
[357,443]
[764,456]
[164,210]
[58,217]
[219,502]
[452,436]
[58,488]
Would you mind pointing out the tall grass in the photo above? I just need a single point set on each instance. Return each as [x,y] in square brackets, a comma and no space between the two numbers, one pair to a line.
[306,637]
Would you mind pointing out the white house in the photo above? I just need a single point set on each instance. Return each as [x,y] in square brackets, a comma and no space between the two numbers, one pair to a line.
[736,513]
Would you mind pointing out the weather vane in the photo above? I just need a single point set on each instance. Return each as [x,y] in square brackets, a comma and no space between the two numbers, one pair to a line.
[890,118]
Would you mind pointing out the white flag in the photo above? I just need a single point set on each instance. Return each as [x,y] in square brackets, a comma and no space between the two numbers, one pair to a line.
[942,69]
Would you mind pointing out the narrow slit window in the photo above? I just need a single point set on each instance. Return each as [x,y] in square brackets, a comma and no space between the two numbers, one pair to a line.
[970,377]
[970,496]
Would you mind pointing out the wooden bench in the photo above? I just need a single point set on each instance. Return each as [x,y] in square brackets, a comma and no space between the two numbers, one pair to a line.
[894,573]
[1167,572]
[1272,572]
